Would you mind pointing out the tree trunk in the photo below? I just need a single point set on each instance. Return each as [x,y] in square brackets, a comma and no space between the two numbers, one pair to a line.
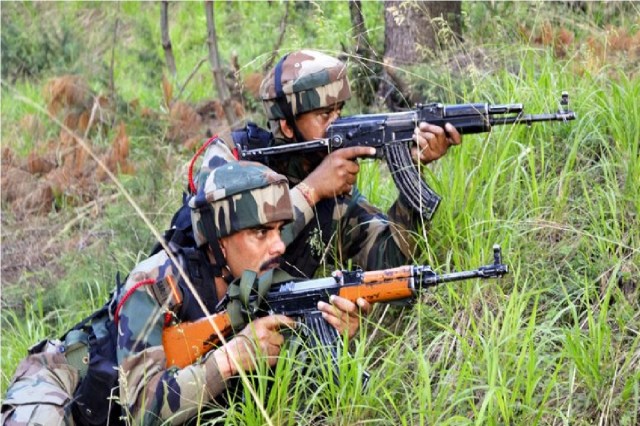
[218,74]
[367,67]
[112,82]
[166,41]
[416,30]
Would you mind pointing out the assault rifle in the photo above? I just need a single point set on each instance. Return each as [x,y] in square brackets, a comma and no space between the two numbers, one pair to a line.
[185,342]
[391,134]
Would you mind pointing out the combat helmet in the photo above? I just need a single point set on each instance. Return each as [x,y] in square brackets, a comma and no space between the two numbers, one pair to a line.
[301,82]
[235,196]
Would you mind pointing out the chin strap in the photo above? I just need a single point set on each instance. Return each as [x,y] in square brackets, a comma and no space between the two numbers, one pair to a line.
[283,104]
[212,237]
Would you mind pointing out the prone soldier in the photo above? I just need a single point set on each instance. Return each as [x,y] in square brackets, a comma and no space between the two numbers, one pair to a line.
[117,353]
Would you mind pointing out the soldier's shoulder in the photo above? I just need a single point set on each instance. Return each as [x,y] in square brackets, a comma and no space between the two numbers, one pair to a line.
[217,154]
[152,269]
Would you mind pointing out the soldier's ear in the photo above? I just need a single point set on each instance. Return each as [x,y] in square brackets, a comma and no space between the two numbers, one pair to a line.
[221,242]
[286,129]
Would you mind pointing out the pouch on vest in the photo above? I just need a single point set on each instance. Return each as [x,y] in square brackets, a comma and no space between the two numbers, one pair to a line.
[76,350]
[95,397]
[251,137]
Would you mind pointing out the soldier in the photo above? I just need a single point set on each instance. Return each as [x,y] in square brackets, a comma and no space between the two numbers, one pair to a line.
[333,221]
[237,217]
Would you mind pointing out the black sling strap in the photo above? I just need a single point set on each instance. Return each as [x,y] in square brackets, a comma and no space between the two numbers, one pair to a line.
[212,238]
[283,104]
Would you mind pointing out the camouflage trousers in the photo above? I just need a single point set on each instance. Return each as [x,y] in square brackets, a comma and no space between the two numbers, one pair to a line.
[41,389]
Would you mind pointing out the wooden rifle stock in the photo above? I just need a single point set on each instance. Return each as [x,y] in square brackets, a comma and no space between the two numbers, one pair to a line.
[185,342]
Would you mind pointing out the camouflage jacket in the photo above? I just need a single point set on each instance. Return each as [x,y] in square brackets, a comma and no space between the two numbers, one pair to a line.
[334,231]
[151,393]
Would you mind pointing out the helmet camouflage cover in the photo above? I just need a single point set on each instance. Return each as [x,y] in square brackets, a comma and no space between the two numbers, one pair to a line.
[242,195]
[310,80]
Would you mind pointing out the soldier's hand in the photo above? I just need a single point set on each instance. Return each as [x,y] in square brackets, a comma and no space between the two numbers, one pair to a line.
[260,338]
[337,173]
[432,142]
[343,314]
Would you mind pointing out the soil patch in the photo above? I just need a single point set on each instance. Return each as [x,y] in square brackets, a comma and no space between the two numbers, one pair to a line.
[30,253]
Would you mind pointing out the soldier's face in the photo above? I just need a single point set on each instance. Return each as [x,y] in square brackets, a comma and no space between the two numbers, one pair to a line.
[256,249]
[314,124]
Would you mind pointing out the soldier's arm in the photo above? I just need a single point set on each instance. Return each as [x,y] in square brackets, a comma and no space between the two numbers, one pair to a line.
[374,240]
[151,394]
[148,390]
[335,176]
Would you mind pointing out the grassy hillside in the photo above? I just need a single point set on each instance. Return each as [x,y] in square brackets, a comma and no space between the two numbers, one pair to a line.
[555,342]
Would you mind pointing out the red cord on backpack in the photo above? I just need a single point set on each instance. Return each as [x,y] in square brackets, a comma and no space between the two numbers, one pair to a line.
[192,186]
[128,294]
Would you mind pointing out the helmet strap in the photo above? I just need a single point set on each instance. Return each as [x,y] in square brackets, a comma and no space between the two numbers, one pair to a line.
[283,103]
[211,235]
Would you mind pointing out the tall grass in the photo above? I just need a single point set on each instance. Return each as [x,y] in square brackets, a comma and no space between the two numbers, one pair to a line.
[555,342]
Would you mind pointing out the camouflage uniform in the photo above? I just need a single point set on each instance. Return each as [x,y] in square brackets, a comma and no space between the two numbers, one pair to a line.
[240,195]
[41,388]
[334,230]
[149,390]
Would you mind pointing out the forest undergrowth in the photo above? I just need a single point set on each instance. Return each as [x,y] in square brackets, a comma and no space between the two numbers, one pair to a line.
[554,342]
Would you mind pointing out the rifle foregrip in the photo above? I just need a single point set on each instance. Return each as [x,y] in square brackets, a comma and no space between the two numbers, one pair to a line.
[381,291]
[185,342]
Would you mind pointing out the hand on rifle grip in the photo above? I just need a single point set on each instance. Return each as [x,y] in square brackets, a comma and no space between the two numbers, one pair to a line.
[432,142]
[260,338]
[343,314]
[337,173]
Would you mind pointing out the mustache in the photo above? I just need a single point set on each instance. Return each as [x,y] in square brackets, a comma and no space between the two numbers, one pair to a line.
[272,263]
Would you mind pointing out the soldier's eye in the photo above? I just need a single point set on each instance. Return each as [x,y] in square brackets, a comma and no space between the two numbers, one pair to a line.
[261,232]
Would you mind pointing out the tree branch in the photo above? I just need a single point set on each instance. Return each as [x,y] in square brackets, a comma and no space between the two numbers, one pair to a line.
[218,74]
[166,41]
[193,72]
[276,47]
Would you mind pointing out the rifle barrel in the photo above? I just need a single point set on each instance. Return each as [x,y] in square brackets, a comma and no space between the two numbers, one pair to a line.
[529,118]
[430,280]
[309,146]
[506,109]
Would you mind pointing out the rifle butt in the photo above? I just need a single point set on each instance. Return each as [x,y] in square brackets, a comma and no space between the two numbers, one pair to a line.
[185,342]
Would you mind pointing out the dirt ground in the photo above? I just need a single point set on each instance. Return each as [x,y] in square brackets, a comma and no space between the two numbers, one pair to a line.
[31,248]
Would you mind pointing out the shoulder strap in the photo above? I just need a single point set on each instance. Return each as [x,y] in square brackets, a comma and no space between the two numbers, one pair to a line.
[246,294]
[201,275]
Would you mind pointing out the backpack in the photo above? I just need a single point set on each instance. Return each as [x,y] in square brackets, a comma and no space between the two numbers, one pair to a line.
[71,377]
[95,338]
